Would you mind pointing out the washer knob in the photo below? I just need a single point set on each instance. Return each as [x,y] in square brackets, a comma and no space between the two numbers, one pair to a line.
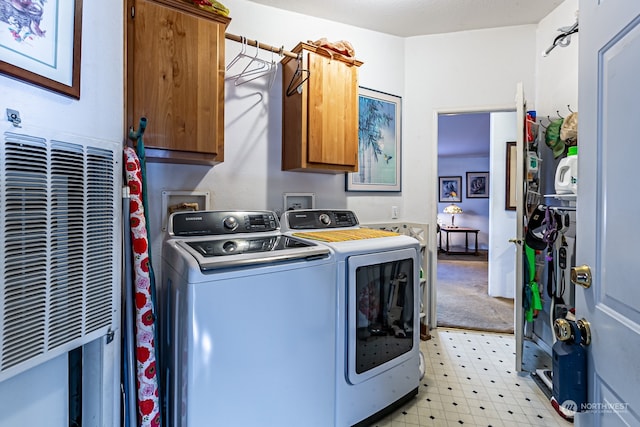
[325,219]
[229,247]
[230,223]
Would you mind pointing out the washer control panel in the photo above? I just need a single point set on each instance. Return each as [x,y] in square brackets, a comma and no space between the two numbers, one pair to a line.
[213,223]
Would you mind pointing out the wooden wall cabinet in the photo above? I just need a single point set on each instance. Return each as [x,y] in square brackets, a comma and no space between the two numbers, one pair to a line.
[175,78]
[320,121]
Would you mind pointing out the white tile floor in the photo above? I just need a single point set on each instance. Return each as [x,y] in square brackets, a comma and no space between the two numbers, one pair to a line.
[470,380]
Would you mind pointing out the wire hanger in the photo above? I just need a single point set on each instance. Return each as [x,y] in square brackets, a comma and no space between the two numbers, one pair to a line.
[270,72]
[241,54]
[255,65]
[299,77]
[274,68]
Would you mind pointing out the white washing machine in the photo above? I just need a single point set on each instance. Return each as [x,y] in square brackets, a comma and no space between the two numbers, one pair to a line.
[377,329]
[249,323]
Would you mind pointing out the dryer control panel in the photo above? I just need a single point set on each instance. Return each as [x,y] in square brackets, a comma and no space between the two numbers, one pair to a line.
[314,219]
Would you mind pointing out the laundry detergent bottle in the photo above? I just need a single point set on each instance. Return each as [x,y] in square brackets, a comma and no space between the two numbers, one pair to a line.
[566,181]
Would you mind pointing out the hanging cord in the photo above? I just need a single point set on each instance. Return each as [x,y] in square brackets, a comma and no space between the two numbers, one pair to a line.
[561,288]
[549,235]
[550,232]
[562,265]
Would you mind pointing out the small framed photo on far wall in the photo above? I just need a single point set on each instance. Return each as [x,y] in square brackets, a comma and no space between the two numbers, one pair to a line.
[477,185]
[450,189]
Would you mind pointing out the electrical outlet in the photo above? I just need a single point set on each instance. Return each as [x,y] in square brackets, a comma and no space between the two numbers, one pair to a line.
[394,212]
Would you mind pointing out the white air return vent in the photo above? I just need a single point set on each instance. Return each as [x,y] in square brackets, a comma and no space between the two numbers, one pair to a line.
[60,244]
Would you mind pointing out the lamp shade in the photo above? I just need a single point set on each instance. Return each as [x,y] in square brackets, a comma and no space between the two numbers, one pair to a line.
[452,209]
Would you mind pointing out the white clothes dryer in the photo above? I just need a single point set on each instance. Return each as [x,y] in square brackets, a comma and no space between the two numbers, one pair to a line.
[377,329]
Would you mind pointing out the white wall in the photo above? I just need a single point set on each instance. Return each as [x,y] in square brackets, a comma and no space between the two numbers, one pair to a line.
[251,176]
[41,392]
[557,79]
[469,70]
[99,112]
[458,72]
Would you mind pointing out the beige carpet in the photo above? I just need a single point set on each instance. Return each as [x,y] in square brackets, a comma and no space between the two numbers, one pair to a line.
[462,299]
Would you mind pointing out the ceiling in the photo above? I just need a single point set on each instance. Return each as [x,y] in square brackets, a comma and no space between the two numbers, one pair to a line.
[406,18]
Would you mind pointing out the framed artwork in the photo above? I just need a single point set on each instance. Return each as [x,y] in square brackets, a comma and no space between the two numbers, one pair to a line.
[450,189]
[511,165]
[379,143]
[477,185]
[41,44]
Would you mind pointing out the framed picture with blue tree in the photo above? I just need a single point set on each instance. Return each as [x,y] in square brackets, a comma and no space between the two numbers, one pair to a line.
[379,143]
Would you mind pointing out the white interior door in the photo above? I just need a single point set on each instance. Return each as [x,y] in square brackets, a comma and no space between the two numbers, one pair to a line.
[608,207]
[520,214]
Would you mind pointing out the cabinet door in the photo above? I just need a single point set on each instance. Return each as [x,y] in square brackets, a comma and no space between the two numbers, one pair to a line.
[176,80]
[332,112]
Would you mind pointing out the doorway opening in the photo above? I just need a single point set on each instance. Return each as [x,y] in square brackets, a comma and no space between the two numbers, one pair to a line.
[473,284]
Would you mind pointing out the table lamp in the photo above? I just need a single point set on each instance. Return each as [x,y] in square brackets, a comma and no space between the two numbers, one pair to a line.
[453,210]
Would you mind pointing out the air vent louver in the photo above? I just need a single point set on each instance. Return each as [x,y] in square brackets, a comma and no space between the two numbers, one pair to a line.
[60,245]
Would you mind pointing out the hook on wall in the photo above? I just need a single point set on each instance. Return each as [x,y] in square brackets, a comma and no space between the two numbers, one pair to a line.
[564,39]
[558,113]
[569,108]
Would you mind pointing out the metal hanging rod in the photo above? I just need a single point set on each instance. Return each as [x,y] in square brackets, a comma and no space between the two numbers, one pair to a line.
[260,45]
[563,208]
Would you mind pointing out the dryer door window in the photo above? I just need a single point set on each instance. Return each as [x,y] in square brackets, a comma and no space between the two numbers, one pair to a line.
[382,314]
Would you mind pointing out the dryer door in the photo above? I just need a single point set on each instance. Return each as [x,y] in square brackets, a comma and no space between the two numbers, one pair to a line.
[383,316]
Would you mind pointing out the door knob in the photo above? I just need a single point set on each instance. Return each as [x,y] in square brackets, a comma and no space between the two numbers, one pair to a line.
[516,241]
[562,329]
[585,331]
[581,275]
[573,332]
